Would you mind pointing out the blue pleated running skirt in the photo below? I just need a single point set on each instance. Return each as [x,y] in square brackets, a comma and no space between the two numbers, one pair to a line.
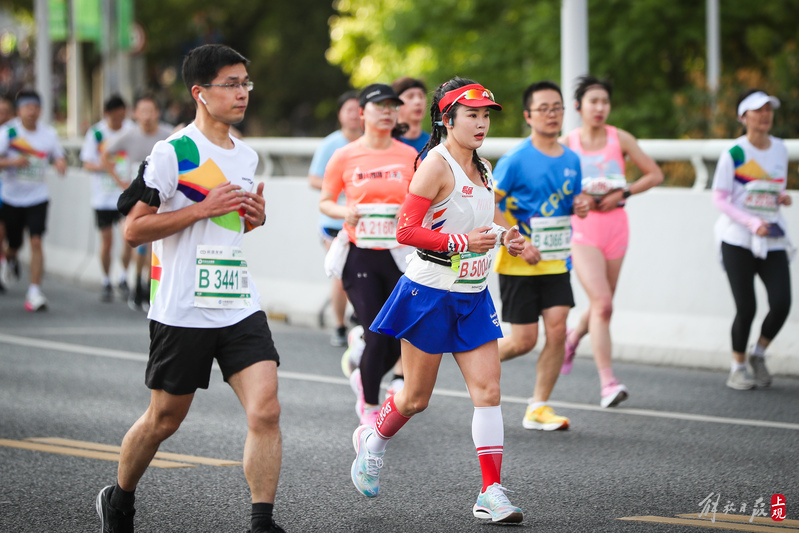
[438,321]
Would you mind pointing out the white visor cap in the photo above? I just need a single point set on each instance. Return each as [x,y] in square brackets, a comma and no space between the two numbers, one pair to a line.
[755,101]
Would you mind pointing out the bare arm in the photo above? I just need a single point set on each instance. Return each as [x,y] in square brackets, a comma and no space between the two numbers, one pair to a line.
[14,162]
[652,175]
[315,181]
[144,223]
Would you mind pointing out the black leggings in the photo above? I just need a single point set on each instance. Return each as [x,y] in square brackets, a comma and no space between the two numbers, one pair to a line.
[369,277]
[741,267]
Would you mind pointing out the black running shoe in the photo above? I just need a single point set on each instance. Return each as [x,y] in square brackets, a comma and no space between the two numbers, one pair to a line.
[272,528]
[124,290]
[112,519]
[107,295]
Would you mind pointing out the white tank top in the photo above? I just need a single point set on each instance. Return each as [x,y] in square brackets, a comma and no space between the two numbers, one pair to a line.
[468,206]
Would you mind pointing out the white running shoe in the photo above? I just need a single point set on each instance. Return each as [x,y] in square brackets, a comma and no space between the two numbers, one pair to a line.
[740,380]
[366,467]
[35,301]
[394,387]
[352,356]
[494,505]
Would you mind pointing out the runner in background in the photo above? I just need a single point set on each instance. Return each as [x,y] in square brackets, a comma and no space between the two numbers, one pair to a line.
[132,147]
[106,189]
[413,94]
[26,149]
[374,173]
[6,114]
[599,242]
[442,304]
[350,120]
[538,187]
[749,190]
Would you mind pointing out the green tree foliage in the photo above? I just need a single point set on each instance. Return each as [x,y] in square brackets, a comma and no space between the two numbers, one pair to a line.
[653,51]
[295,88]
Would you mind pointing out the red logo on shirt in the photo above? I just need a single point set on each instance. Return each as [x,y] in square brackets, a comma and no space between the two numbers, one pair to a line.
[467,191]
[777,507]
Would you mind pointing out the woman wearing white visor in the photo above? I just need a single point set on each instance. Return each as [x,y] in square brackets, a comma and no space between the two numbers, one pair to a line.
[749,190]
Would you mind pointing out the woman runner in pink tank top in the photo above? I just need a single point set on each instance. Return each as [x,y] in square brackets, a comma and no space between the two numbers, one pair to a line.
[599,241]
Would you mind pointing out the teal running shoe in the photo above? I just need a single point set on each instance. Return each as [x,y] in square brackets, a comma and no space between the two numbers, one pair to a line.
[494,505]
[366,466]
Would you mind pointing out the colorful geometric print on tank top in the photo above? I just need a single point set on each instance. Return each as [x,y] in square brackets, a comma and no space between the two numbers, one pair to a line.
[603,170]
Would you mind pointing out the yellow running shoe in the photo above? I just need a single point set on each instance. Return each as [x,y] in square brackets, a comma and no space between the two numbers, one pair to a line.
[544,418]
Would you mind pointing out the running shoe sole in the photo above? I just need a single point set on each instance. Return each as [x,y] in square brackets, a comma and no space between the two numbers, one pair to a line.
[483,513]
[612,400]
[99,506]
[552,426]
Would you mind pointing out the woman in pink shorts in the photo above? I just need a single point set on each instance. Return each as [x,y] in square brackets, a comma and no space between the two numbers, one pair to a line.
[599,241]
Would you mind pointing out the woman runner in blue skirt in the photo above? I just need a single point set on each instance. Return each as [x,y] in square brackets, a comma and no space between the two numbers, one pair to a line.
[441,304]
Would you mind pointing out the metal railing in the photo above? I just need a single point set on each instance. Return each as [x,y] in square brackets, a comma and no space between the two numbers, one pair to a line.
[290,156]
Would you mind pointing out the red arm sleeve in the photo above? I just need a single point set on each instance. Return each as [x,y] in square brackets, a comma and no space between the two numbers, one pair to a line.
[411,232]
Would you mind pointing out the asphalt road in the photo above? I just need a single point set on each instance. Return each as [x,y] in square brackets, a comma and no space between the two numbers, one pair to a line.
[77,372]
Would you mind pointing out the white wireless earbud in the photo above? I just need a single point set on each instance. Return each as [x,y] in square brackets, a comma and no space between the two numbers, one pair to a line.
[203,99]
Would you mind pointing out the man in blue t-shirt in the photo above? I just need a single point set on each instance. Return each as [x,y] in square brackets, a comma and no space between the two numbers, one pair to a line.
[350,120]
[538,188]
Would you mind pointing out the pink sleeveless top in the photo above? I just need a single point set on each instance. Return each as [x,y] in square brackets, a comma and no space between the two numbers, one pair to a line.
[603,170]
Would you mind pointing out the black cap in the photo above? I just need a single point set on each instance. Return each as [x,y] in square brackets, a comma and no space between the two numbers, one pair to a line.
[377,92]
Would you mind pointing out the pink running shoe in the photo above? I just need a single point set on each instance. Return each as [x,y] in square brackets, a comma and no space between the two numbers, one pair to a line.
[568,359]
[613,394]
[357,387]
[369,417]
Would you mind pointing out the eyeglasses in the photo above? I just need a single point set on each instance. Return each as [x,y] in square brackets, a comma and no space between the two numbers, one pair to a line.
[546,110]
[391,106]
[231,86]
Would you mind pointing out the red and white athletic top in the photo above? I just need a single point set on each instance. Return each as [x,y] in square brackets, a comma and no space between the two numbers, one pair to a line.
[467,207]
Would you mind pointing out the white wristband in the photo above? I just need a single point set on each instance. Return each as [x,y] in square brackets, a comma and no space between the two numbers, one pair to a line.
[500,231]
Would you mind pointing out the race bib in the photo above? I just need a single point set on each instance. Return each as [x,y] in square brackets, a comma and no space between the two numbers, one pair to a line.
[377,227]
[221,279]
[552,236]
[108,184]
[35,170]
[472,271]
[762,196]
[602,185]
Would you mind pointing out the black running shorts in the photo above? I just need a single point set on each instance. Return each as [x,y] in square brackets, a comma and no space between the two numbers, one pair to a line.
[107,217]
[525,297]
[18,218]
[181,358]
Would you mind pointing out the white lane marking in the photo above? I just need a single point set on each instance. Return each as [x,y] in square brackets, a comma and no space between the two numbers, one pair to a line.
[69,330]
[72,348]
[300,376]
